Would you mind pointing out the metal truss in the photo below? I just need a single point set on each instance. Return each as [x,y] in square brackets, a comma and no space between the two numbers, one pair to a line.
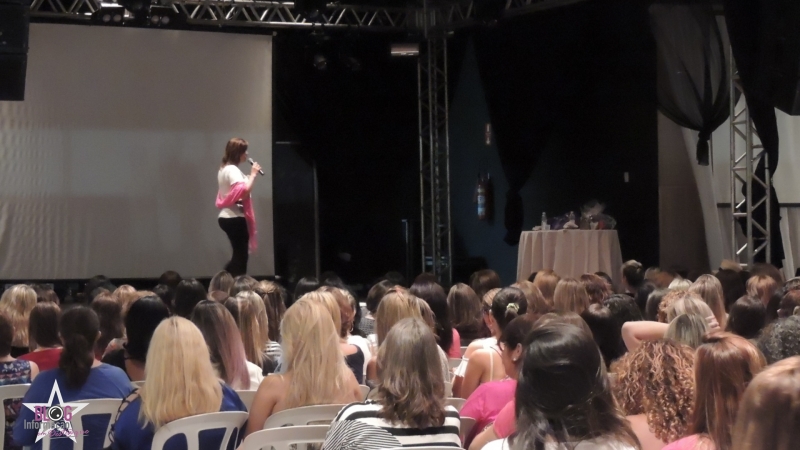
[280,14]
[743,175]
[434,160]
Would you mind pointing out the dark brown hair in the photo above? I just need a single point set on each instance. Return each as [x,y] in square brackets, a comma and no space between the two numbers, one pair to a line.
[43,326]
[109,312]
[79,330]
[466,311]
[596,287]
[6,335]
[234,150]
[484,281]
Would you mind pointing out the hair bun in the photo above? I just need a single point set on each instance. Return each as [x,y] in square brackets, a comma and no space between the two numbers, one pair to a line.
[512,307]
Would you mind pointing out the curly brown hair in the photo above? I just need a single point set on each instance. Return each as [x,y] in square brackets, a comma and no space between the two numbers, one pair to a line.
[657,380]
[669,298]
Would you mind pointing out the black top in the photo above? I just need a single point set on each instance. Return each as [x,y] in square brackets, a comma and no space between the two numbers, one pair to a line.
[356,363]
[116,358]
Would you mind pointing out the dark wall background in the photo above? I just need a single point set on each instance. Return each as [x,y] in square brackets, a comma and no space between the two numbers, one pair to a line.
[588,69]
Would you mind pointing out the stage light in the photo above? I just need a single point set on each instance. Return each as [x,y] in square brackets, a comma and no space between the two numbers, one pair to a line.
[163,16]
[320,62]
[405,49]
[109,15]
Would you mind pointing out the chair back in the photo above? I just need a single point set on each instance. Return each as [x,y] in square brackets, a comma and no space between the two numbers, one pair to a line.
[305,415]
[137,384]
[285,438]
[192,426]
[467,424]
[94,407]
[247,398]
[463,350]
[455,402]
[448,389]
[454,362]
[10,392]
[364,391]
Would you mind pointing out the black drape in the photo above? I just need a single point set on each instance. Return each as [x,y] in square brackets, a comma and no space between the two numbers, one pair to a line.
[693,80]
[745,22]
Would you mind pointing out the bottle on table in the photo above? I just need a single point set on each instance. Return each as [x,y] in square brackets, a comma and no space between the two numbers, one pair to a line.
[544,221]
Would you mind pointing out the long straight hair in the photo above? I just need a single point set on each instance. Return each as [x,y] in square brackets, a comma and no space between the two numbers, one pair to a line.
[709,289]
[16,304]
[224,342]
[180,380]
[395,306]
[570,295]
[563,393]
[275,307]
[312,355]
[248,312]
[435,297]
[80,328]
[724,365]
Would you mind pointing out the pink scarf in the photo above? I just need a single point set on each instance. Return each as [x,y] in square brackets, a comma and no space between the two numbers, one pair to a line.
[238,191]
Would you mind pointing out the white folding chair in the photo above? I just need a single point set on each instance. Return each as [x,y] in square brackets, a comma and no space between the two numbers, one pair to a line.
[95,407]
[137,384]
[247,398]
[430,447]
[455,402]
[191,427]
[285,438]
[454,363]
[467,424]
[364,391]
[306,415]
[448,389]
[463,350]
[10,392]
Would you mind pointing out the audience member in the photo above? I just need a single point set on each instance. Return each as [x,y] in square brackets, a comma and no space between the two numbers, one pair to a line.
[596,287]
[724,365]
[710,291]
[654,304]
[623,308]
[271,294]
[446,336]
[489,398]
[304,286]
[762,287]
[607,278]
[632,276]
[466,311]
[316,373]
[124,296]
[188,294]
[221,281]
[408,409]
[13,371]
[546,281]
[747,317]
[789,303]
[655,389]
[482,362]
[109,312]
[606,331]
[563,396]
[642,295]
[166,294]
[360,341]
[80,376]
[179,353]
[570,295]
[243,283]
[335,301]
[484,281]
[733,286]
[45,344]
[247,310]
[769,410]
[537,304]
[374,297]
[688,329]
[141,322]
[225,346]
[170,278]
[781,339]
[16,304]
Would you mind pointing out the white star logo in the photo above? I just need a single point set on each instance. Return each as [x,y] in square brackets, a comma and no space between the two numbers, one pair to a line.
[60,424]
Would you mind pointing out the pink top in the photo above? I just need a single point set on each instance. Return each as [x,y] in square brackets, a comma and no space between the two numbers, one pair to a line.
[485,403]
[239,192]
[505,424]
[455,348]
[690,443]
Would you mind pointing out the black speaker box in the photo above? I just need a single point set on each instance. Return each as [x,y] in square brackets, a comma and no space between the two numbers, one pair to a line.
[779,54]
[14,22]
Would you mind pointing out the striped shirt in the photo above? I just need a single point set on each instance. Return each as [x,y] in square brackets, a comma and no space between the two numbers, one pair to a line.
[358,427]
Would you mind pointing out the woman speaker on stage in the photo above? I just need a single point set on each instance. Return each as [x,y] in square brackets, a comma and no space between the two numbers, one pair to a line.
[236,217]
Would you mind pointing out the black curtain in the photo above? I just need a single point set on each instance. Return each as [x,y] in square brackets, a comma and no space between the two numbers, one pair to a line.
[693,81]
[746,24]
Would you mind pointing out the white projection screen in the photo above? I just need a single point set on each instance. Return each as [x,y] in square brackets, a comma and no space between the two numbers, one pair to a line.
[109,166]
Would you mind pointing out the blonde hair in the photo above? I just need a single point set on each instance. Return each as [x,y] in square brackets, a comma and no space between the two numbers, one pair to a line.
[16,304]
[538,304]
[222,281]
[709,289]
[411,385]
[312,355]
[328,300]
[570,295]
[680,284]
[248,312]
[687,329]
[394,307]
[346,311]
[688,304]
[546,281]
[180,380]
[125,295]
[763,287]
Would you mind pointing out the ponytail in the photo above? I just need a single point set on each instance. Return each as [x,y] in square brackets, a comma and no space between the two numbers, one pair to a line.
[509,303]
[76,360]
[79,331]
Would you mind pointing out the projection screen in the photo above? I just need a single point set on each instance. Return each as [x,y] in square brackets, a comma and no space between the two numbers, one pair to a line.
[110,164]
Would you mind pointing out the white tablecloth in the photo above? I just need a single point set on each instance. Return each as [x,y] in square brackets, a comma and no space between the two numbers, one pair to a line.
[570,253]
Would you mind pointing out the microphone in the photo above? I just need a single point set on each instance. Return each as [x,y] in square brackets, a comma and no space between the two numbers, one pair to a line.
[250,160]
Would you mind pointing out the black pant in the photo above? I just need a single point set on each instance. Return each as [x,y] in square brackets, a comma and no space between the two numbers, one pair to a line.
[236,229]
